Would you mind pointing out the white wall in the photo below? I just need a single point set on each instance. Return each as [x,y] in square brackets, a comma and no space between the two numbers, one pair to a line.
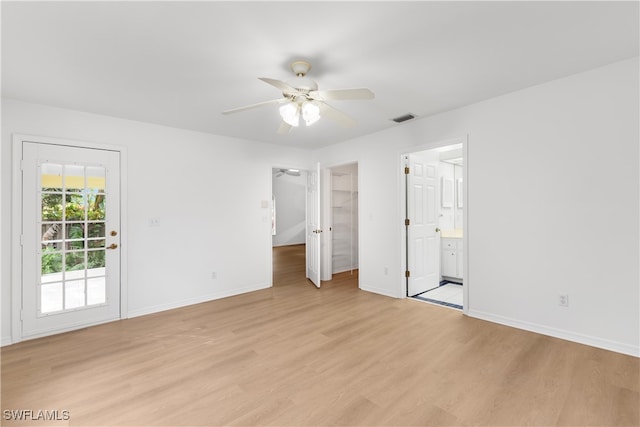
[290,194]
[211,215]
[568,222]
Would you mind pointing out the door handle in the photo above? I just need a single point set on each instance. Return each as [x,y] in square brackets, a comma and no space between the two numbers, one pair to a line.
[112,246]
[437,230]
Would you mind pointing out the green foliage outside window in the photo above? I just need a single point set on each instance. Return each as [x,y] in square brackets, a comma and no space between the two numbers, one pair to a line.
[51,261]
[74,210]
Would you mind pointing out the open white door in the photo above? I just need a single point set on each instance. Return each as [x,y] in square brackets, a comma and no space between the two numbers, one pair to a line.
[71,226]
[423,238]
[313,225]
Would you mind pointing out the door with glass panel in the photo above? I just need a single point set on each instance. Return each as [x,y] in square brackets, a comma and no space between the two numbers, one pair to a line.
[70,237]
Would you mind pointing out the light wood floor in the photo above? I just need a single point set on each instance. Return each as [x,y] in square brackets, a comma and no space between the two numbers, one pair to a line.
[296,355]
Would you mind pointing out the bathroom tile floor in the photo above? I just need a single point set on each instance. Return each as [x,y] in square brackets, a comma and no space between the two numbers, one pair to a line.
[448,294]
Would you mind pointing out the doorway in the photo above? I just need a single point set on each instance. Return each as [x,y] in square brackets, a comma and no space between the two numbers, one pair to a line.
[434,225]
[324,205]
[288,225]
[343,219]
[70,273]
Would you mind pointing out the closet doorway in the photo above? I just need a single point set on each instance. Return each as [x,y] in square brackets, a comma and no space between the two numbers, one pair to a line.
[341,246]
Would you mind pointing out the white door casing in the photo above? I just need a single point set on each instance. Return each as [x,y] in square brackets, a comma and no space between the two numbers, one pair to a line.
[423,238]
[71,243]
[313,249]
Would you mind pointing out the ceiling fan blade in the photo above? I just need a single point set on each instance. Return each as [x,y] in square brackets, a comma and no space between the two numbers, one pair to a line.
[284,128]
[342,94]
[279,84]
[248,107]
[327,110]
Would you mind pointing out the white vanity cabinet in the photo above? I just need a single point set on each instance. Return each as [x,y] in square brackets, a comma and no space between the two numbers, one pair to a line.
[451,258]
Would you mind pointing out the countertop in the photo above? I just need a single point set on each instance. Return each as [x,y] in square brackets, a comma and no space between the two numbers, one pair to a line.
[451,234]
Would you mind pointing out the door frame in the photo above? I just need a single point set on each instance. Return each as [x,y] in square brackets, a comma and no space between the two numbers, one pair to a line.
[16,226]
[464,140]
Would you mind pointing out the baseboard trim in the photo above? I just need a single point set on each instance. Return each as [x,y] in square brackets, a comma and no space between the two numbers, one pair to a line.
[592,341]
[5,341]
[378,291]
[196,300]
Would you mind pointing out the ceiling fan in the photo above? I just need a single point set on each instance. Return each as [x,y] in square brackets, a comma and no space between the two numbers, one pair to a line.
[301,97]
[292,172]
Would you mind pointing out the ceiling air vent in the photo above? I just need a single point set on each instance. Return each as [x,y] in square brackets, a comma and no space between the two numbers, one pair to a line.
[404,118]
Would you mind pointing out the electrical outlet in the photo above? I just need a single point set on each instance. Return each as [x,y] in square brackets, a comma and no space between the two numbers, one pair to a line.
[154,222]
[563,300]
[214,275]
[386,270]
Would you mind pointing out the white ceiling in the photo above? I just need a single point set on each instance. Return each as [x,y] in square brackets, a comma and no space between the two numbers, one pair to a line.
[182,63]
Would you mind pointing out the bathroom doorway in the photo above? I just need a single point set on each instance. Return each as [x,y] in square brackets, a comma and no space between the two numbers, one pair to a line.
[434,225]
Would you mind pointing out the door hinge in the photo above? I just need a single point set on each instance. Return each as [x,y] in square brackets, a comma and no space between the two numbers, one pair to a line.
[407,222]
[407,273]
[22,240]
[21,314]
[406,170]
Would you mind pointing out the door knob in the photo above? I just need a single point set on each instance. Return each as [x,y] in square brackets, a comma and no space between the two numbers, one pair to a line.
[114,233]
[112,246]
[437,230]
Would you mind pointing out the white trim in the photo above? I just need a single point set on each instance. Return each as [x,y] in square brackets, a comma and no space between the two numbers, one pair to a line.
[379,291]
[16,224]
[124,235]
[616,346]
[16,246]
[68,328]
[6,341]
[465,226]
[196,300]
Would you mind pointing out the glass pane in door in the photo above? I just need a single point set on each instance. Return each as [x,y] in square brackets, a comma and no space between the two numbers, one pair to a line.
[73,240]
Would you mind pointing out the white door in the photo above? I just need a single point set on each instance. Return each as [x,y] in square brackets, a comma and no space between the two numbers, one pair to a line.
[70,237]
[423,238]
[313,226]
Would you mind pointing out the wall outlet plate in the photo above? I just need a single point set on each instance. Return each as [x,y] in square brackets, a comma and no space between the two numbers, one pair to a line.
[563,300]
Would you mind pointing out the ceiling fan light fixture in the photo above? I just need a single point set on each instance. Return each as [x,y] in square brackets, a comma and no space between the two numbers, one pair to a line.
[303,99]
[290,113]
[310,112]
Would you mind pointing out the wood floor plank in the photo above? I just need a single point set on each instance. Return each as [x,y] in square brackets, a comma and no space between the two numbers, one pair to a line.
[300,356]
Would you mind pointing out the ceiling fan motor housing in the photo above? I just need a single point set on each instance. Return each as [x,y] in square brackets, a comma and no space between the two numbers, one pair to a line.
[300,68]
[302,84]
